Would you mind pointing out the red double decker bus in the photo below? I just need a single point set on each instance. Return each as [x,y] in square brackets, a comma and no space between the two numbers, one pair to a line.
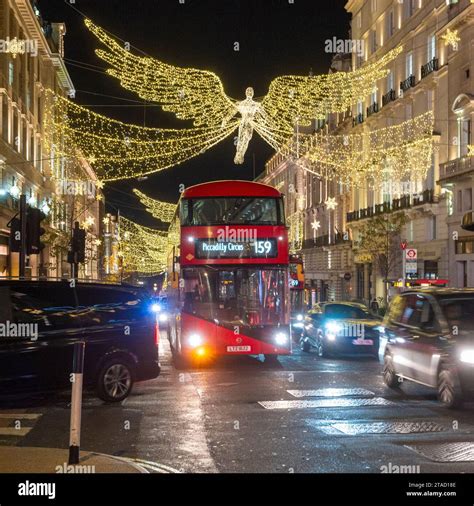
[228,274]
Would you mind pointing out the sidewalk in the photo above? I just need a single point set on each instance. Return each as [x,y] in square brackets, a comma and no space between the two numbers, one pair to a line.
[18,459]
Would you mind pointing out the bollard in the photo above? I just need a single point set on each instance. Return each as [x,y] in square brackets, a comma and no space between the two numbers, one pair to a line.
[76,403]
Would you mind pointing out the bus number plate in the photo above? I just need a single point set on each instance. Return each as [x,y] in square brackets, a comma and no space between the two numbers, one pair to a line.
[238,348]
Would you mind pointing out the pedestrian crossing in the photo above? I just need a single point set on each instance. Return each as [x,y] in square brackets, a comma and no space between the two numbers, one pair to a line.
[329,398]
[327,403]
[17,425]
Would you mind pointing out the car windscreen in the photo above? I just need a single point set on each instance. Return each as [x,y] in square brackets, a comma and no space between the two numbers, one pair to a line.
[343,311]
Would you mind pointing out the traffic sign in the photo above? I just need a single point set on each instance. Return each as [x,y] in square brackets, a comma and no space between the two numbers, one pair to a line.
[404,245]
[411,254]
[411,267]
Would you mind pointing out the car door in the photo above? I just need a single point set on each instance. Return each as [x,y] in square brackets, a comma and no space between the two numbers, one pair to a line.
[426,347]
[51,308]
[312,325]
[400,335]
[19,354]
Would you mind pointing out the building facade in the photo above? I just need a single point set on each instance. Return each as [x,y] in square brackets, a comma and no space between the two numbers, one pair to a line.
[432,73]
[31,61]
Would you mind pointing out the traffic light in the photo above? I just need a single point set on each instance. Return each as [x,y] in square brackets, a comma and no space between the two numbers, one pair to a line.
[14,240]
[78,245]
[34,230]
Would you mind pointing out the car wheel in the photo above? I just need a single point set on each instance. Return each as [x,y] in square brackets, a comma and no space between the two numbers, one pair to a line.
[389,375]
[449,389]
[115,380]
[306,346]
[321,349]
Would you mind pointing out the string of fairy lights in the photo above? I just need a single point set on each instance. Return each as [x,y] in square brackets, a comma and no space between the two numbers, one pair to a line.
[117,150]
[163,211]
[142,249]
[393,153]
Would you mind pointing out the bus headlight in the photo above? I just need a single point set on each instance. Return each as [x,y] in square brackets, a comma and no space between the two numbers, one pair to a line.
[195,340]
[299,317]
[281,339]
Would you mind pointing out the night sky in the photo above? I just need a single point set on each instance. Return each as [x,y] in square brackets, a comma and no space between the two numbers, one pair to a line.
[276,37]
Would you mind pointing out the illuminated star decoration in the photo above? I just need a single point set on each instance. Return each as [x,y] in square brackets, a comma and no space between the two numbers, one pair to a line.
[331,203]
[198,95]
[451,38]
[470,150]
[316,225]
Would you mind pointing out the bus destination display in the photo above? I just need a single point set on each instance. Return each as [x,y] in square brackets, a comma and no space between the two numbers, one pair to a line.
[255,248]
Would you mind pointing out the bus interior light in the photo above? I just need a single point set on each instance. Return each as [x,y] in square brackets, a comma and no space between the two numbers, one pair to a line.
[190,238]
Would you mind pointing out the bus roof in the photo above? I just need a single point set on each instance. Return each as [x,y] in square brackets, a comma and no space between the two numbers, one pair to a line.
[232,188]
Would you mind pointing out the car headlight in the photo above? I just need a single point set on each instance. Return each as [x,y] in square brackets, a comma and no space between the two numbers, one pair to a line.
[299,317]
[467,356]
[155,308]
[281,339]
[333,327]
[163,317]
[195,340]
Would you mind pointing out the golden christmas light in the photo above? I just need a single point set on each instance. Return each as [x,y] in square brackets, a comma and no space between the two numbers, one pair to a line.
[163,211]
[395,153]
[451,38]
[198,95]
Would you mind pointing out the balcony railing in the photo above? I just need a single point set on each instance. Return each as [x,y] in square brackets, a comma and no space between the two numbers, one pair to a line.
[404,202]
[358,119]
[429,67]
[457,167]
[372,109]
[408,83]
[388,97]
[323,240]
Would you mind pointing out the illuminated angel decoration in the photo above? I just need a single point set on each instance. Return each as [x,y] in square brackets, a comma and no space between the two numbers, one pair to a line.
[199,96]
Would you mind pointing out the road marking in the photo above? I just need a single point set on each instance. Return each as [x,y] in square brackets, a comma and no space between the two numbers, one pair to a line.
[332,392]
[10,419]
[408,427]
[326,403]
[11,431]
[22,416]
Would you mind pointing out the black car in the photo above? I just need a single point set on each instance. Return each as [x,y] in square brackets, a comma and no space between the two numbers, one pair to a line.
[429,339]
[41,320]
[341,327]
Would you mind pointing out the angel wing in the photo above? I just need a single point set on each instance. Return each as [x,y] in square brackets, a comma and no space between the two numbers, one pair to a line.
[189,93]
[163,211]
[303,99]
